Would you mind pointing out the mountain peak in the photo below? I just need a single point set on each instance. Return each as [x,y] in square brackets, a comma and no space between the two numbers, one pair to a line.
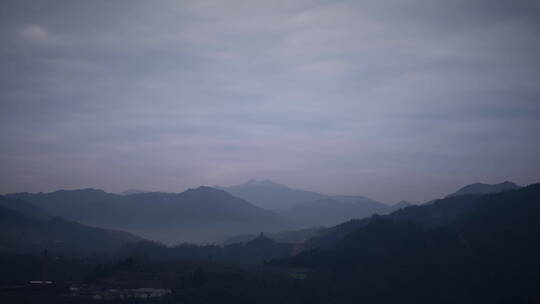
[203,189]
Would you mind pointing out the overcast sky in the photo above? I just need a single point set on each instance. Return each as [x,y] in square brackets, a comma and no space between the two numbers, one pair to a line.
[388,99]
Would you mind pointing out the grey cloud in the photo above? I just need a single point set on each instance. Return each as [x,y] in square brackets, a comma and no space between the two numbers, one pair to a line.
[390,99]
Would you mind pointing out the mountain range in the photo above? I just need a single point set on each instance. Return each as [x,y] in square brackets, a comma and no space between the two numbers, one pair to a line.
[465,248]
[208,214]
[197,215]
[347,216]
[438,213]
[204,214]
[307,208]
[270,195]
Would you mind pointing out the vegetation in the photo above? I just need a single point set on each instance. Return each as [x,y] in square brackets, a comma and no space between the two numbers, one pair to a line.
[489,254]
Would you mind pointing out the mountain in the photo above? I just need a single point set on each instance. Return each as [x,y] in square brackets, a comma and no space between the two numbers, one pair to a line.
[23,207]
[330,211]
[20,233]
[306,208]
[197,215]
[479,188]
[132,191]
[436,214]
[486,252]
[399,205]
[272,196]
[80,205]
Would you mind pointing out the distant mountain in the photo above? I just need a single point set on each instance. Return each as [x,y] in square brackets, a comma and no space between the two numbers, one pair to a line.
[332,211]
[132,191]
[400,205]
[21,233]
[24,207]
[272,196]
[197,215]
[479,188]
[306,208]
[82,205]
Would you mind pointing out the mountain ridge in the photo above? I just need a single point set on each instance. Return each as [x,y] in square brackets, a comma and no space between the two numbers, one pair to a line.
[438,213]
[306,208]
[270,195]
[195,215]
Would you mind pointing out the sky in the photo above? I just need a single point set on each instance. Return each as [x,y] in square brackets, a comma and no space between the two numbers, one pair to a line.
[394,100]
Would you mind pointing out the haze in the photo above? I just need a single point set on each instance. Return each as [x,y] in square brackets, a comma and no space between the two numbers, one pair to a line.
[388,99]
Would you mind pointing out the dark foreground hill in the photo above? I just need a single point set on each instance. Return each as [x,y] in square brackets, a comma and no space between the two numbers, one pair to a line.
[484,251]
[196,215]
[252,252]
[438,213]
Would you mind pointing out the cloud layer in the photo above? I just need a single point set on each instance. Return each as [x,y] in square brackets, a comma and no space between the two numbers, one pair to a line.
[389,99]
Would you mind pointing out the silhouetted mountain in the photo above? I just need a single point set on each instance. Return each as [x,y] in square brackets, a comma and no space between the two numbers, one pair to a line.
[24,207]
[485,252]
[20,233]
[437,213]
[479,188]
[196,215]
